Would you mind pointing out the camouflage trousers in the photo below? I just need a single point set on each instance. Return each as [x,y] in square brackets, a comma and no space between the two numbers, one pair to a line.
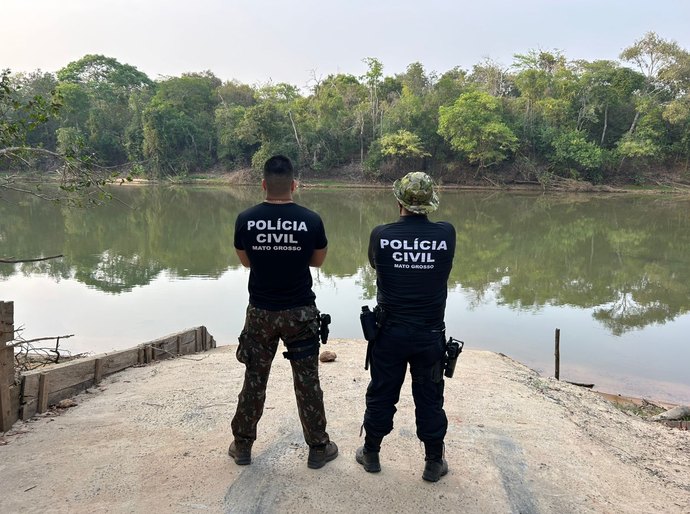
[258,344]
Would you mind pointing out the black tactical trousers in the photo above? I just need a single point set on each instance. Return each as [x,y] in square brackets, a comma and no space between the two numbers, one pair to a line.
[257,348]
[395,347]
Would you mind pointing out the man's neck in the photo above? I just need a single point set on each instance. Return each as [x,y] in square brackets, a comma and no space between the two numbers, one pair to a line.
[278,199]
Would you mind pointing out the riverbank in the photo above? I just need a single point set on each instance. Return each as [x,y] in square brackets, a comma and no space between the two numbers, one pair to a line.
[154,438]
[352,176]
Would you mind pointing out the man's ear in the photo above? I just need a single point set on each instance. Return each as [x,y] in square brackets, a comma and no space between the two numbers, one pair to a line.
[263,184]
[293,186]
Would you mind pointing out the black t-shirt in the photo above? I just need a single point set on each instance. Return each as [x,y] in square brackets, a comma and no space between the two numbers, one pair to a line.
[279,239]
[413,258]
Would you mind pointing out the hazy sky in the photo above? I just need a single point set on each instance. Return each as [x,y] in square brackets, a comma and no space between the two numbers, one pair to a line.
[256,41]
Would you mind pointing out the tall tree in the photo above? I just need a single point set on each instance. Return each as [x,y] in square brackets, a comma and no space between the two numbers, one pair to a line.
[96,91]
[22,113]
[372,79]
[657,59]
[473,126]
[178,128]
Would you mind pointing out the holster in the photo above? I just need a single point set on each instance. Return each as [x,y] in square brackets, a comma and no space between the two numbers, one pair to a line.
[324,321]
[297,350]
[453,350]
[372,322]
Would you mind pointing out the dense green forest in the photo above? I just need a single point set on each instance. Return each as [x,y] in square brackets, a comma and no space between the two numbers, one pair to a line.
[540,118]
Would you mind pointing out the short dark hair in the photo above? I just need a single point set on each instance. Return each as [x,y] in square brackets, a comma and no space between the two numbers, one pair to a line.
[279,174]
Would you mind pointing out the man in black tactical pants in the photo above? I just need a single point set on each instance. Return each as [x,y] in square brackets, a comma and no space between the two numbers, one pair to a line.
[413,258]
[279,240]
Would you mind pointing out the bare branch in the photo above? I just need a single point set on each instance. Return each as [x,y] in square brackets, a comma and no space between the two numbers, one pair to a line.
[28,341]
[15,261]
[16,149]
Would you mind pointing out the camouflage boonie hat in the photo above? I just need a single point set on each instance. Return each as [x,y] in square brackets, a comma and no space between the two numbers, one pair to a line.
[415,192]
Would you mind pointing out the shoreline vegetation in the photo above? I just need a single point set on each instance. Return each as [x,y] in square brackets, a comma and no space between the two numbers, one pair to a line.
[353,180]
[544,121]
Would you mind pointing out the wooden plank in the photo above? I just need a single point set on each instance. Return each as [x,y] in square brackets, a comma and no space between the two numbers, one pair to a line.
[30,386]
[24,408]
[165,350]
[6,418]
[170,348]
[7,413]
[54,397]
[110,363]
[117,361]
[42,393]
[98,371]
[186,336]
[6,322]
[15,398]
[6,352]
[68,374]
[25,412]
[7,365]
[9,407]
[187,342]
[69,378]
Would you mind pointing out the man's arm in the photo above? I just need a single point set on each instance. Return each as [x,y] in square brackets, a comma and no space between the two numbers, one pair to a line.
[318,257]
[244,258]
[373,242]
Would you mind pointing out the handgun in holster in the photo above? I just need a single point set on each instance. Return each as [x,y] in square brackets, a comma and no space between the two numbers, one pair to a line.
[453,350]
[371,321]
[324,321]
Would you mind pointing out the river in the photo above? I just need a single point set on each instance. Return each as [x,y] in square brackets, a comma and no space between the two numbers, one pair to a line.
[612,272]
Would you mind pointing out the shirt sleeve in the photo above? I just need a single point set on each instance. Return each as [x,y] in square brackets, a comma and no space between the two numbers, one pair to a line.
[373,245]
[321,240]
[452,238]
[239,225]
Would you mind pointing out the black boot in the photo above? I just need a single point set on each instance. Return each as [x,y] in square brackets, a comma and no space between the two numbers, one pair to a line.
[435,465]
[369,460]
[320,455]
[241,453]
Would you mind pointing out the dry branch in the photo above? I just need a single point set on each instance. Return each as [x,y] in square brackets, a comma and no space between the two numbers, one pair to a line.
[16,261]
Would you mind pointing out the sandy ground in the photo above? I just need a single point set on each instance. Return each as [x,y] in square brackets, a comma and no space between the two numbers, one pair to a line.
[154,439]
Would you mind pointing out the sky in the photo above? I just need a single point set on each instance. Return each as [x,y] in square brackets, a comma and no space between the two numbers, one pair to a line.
[299,41]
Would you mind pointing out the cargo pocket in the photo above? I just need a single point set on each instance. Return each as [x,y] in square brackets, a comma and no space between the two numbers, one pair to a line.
[243,352]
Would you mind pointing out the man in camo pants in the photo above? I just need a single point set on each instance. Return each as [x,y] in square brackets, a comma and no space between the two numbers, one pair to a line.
[279,240]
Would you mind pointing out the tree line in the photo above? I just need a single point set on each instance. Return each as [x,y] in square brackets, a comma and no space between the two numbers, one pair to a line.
[543,116]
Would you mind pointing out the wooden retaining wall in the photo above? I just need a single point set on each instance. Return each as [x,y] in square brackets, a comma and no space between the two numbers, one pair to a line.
[43,387]
[9,392]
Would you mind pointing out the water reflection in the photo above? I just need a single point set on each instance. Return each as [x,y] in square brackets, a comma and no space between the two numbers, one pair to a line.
[622,260]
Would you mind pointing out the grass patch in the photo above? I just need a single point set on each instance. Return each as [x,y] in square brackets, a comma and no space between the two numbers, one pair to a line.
[643,409]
